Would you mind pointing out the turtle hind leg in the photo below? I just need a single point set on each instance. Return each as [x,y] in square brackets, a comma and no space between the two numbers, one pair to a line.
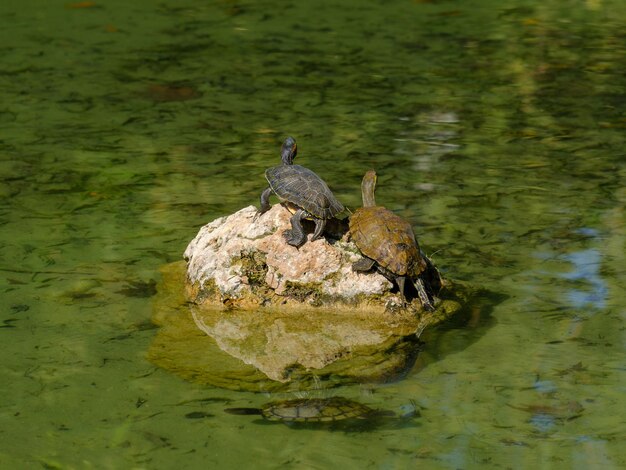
[265,201]
[296,236]
[400,281]
[423,295]
[431,276]
[319,229]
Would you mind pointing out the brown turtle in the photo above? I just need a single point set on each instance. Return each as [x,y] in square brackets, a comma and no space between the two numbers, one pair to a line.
[387,241]
[304,193]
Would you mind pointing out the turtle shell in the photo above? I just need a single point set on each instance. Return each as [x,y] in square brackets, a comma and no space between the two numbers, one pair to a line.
[303,188]
[316,410]
[388,239]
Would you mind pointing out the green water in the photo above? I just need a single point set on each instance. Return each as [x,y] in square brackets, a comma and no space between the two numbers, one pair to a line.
[497,129]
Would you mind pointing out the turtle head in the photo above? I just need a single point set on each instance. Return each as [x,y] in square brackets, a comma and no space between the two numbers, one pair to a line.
[368,186]
[288,151]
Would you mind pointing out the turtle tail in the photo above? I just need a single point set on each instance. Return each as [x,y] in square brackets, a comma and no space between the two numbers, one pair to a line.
[244,411]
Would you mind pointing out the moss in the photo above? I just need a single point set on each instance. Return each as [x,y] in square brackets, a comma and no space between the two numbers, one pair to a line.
[254,267]
[209,288]
[310,293]
[333,277]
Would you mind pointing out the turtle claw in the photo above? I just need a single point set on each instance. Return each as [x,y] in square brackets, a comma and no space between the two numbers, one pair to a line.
[292,239]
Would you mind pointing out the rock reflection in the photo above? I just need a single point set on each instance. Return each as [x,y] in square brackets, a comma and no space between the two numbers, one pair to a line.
[283,349]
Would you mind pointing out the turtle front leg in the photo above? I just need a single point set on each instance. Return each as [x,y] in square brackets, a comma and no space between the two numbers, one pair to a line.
[362,265]
[296,236]
[400,281]
[319,228]
[265,201]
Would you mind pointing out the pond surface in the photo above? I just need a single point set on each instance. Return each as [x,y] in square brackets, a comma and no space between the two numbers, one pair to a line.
[497,129]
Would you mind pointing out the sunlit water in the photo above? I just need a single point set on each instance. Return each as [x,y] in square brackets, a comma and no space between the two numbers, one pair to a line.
[497,128]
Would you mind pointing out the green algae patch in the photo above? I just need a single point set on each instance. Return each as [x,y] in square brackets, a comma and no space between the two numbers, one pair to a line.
[253,267]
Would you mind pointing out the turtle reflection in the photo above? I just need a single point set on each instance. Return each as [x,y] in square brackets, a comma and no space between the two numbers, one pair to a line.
[319,411]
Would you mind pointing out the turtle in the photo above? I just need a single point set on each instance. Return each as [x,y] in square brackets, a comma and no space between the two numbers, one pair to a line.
[388,243]
[312,410]
[304,193]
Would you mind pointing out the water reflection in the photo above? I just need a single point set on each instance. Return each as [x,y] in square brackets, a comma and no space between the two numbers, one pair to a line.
[586,268]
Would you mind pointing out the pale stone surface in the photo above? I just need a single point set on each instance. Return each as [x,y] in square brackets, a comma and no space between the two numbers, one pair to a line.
[217,250]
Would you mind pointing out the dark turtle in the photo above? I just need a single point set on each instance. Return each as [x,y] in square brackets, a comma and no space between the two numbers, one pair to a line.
[312,410]
[304,193]
[387,241]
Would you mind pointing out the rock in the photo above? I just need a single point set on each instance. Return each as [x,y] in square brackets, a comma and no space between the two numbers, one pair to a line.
[243,260]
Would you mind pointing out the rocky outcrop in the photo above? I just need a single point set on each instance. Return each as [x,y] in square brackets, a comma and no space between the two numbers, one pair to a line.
[242,260]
